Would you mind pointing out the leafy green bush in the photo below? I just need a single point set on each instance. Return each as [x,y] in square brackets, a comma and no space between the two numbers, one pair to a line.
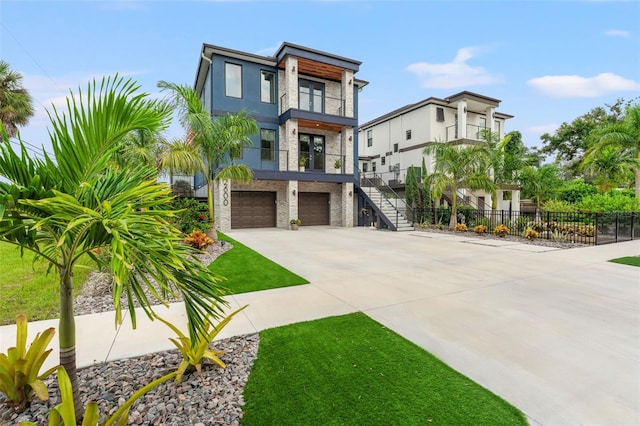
[575,190]
[559,206]
[613,201]
[20,368]
[192,215]
[195,349]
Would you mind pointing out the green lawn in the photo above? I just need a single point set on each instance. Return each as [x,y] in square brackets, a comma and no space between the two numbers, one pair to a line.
[245,270]
[350,370]
[25,287]
[629,260]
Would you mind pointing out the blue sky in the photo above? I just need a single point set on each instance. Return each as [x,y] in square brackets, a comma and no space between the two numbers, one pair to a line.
[547,61]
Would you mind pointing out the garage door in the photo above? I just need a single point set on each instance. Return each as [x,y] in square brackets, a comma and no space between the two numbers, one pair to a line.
[313,208]
[253,209]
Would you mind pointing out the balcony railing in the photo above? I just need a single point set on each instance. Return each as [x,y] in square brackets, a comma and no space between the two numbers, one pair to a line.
[473,132]
[278,160]
[322,105]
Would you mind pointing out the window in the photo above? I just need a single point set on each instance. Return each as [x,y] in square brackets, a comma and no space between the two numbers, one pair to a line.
[408,134]
[383,160]
[267,145]
[395,147]
[233,80]
[373,166]
[369,137]
[439,114]
[268,87]
[365,167]
[496,127]
[482,123]
[311,96]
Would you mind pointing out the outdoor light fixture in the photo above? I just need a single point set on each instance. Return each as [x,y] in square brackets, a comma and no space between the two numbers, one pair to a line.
[350,193]
[293,192]
[222,242]
[349,81]
[350,138]
[293,132]
[293,68]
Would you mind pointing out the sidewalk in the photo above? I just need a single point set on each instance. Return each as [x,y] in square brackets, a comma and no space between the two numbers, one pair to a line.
[554,332]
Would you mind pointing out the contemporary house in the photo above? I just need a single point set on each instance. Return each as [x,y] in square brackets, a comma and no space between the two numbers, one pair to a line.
[306,104]
[390,144]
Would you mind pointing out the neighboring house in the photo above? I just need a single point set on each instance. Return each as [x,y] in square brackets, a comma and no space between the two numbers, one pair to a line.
[306,105]
[389,144]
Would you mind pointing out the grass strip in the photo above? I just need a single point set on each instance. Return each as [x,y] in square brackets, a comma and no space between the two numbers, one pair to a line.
[628,260]
[350,370]
[26,288]
[246,270]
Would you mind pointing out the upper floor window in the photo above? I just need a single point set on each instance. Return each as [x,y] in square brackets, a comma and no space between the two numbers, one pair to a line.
[408,134]
[365,167]
[496,127]
[268,87]
[383,161]
[373,166]
[482,123]
[233,80]
[311,96]
[267,145]
[439,114]
[369,137]
[395,147]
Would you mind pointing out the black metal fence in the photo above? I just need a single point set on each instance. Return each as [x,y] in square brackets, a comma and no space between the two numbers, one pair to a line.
[577,227]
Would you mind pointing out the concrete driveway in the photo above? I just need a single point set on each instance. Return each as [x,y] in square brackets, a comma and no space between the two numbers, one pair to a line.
[554,332]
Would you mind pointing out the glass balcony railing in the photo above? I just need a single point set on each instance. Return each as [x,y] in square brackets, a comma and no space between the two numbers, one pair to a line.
[319,104]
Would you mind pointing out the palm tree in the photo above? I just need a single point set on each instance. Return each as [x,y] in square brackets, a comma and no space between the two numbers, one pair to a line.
[219,140]
[73,204]
[496,160]
[624,135]
[457,167]
[540,183]
[15,102]
[611,166]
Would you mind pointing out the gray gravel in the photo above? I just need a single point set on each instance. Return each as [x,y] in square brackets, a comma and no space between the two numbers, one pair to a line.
[213,399]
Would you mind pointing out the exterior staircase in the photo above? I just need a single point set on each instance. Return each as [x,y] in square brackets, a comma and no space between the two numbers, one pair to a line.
[393,210]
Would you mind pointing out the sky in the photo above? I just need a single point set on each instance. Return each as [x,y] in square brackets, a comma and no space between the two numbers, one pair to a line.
[548,62]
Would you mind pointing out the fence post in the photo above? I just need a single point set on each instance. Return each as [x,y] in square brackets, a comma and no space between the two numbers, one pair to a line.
[633,216]
[617,226]
[595,229]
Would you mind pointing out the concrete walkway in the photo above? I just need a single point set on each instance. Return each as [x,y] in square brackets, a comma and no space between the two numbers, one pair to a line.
[554,332]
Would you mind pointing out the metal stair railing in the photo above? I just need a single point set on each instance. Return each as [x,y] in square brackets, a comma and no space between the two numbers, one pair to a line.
[382,187]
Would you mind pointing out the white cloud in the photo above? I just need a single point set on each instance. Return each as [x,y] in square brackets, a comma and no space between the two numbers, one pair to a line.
[575,86]
[617,33]
[454,74]
[543,128]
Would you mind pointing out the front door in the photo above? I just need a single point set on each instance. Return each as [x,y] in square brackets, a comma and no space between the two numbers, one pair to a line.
[311,150]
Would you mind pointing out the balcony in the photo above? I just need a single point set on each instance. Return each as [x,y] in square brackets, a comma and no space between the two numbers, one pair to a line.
[473,133]
[321,105]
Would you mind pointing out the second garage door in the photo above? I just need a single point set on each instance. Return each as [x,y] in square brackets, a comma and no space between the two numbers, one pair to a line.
[313,208]
[253,209]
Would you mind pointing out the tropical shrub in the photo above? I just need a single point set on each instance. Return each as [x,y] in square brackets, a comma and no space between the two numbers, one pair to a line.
[64,413]
[198,239]
[613,201]
[501,230]
[530,234]
[195,349]
[575,190]
[461,227]
[190,215]
[480,229]
[19,367]
[182,188]
[559,206]
[295,222]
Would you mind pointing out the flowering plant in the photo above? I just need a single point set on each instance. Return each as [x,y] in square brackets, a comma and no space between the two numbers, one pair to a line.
[461,227]
[480,229]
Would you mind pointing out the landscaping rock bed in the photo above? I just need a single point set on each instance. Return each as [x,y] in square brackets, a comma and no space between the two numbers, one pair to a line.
[213,399]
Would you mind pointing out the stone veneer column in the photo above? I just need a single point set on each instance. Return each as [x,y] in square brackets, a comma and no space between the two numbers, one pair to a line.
[347,204]
[292,200]
[347,92]
[222,204]
[347,147]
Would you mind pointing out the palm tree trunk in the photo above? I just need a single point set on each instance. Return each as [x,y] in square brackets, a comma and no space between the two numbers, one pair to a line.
[67,336]
[211,232]
[453,221]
